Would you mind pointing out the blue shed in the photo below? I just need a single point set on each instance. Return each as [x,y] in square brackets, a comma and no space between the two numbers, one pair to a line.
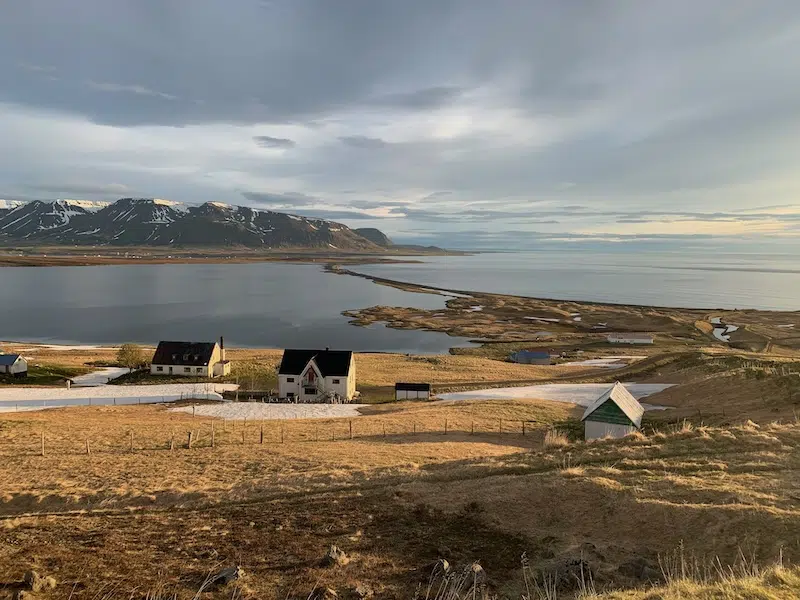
[530,357]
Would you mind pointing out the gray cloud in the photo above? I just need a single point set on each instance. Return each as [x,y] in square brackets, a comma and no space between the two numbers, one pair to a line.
[266,141]
[281,199]
[361,141]
[568,116]
[90,189]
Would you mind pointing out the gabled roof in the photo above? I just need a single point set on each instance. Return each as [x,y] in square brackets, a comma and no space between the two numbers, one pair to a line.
[331,363]
[196,354]
[6,360]
[623,399]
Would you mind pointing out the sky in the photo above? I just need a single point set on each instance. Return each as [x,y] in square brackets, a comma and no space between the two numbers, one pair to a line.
[460,121]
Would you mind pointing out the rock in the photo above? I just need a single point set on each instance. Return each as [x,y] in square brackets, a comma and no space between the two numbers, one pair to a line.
[334,556]
[572,573]
[323,593]
[226,576]
[641,569]
[478,575]
[36,582]
[23,595]
[364,591]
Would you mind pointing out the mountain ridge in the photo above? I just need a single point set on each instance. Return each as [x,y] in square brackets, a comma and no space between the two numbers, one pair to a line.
[159,222]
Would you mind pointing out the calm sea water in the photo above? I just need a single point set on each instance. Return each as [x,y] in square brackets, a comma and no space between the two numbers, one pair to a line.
[287,305]
[678,279]
[257,305]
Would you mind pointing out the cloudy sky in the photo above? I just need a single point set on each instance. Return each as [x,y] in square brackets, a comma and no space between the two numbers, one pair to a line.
[431,119]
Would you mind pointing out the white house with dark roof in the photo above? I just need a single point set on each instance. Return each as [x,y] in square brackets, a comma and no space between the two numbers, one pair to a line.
[630,338]
[190,359]
[13,364]
[317,376]
[614,414]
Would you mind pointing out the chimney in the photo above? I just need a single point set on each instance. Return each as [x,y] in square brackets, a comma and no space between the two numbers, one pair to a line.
[221,349]
[327,349]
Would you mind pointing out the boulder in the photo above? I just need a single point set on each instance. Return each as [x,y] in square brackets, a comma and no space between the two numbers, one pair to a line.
[641,569]
[364,591]
[335,557]
[37,582]
[323,593]
[573,574]
[226,576]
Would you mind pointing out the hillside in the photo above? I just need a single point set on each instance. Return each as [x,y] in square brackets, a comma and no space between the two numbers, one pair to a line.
[155,222]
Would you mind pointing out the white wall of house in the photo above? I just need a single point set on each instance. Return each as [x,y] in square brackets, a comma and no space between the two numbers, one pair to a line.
[596,430]
[215,368]
[20,366]
[295,385]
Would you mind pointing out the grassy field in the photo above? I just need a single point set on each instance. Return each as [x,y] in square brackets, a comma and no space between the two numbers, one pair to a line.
[704,504]
[150,518]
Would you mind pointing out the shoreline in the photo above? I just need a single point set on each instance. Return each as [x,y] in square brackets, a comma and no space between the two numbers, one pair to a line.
[85,256]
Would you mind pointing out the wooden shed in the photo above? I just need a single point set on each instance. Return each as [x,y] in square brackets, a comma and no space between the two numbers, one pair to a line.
[412,391]
[614,414]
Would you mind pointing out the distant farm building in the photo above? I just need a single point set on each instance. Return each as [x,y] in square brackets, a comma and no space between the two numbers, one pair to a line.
[13,364]
[317,376]
[191,359]
[530,357]
[629,338]
[412,391]
[614,414]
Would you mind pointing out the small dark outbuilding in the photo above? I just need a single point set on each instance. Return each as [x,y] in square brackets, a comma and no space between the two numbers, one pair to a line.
[530,357]
[412,391]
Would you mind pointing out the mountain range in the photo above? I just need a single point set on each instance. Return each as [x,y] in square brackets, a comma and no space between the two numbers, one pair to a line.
[156,222]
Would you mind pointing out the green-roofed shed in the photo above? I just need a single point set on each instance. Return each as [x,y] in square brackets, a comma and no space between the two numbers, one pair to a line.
[614,414]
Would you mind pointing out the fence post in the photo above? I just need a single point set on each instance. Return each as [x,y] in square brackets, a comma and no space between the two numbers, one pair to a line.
[242,436]
[351,430]
[262,435]
[384,430]
[172,442]
[193,407]
[333,434]
[415,428]
[88,451]
[523,428]
[281,434]
[189,443]
[472,428]
[43,443]
[501,426]
[131,437]
[445,426]
[213,436]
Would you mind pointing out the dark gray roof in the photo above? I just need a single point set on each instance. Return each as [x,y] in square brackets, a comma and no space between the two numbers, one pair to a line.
[184,353]
[412,387]
[330,362]
[6,360]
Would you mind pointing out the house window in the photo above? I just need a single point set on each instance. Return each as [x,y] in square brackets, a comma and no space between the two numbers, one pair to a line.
[159,369]
[199,369]
[310,391]
[187,369]
[336,381]
[290,380]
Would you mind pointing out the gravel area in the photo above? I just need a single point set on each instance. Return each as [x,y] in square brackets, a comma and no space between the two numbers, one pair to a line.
[273,412]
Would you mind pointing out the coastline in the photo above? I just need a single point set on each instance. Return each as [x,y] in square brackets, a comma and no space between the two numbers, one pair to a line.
[77,256]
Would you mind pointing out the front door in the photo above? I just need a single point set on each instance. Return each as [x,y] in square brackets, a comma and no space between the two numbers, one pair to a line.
[170,370]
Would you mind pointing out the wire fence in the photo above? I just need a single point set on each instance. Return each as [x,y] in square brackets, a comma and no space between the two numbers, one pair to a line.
[53,441]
